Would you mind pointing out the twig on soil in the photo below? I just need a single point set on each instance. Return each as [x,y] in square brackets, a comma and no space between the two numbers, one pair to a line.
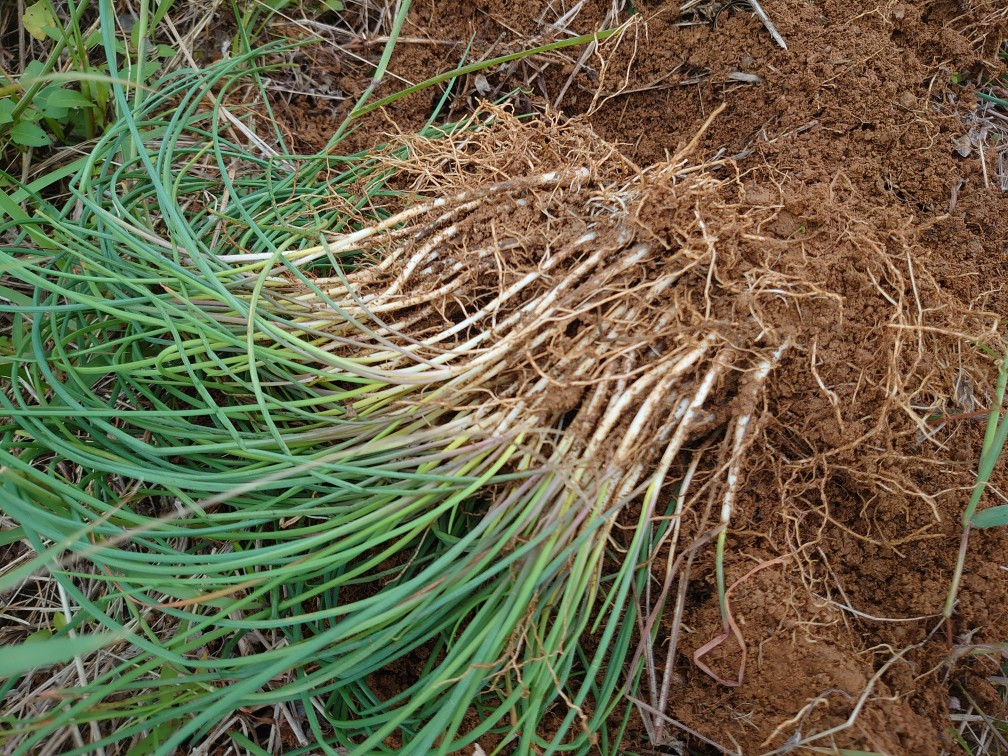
[592,49]
[732,629]
[796,740]
[685,728]
[990,730]
[758,10]
[707,13]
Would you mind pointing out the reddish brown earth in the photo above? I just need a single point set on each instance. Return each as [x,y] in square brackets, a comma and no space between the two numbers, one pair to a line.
[843,147]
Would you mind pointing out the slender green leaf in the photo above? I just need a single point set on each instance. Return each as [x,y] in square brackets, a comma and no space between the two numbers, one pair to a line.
[11,207]
[11,535]
[991,98]
[160,11]
[242,741]
[994,517]
[19,658]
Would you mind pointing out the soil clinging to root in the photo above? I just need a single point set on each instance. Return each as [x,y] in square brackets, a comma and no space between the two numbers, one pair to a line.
[676,335]
[846,203]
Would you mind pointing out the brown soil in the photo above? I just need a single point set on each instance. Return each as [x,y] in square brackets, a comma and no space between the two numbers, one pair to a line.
[845,167]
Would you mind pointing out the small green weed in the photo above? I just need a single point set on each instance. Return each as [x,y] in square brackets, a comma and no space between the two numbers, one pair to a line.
[993,517]
[61,95]
[29,120]
[996,433]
